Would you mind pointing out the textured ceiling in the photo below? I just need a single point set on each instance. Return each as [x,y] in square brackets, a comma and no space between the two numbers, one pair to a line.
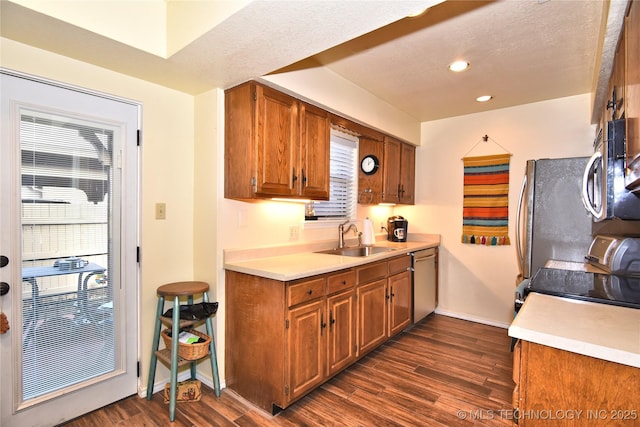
[520,51]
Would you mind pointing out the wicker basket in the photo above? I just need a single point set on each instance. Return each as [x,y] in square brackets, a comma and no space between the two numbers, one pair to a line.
[189,351]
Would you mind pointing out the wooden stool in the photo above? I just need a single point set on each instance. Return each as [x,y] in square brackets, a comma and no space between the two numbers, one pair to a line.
[170,356]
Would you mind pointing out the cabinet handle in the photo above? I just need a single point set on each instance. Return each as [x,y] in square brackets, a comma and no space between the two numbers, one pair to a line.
[322,324]
[392,294]
[331,320]
[304,178]
[344,282]
[309,292]
[294,178]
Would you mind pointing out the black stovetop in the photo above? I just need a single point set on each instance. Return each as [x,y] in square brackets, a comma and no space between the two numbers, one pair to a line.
[603,288]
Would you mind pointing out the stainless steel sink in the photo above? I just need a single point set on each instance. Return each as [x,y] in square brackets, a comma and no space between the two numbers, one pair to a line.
[359,251]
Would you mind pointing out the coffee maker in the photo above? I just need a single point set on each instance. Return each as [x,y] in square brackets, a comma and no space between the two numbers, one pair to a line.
[397,229]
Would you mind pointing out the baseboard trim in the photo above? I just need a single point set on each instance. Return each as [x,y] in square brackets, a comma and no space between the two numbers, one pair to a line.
[472,318]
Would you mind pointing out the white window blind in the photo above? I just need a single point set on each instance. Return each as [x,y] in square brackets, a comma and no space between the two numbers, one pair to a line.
[66,176]
[344,179]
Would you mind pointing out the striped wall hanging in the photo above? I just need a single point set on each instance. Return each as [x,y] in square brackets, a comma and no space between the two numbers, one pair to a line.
[485,209]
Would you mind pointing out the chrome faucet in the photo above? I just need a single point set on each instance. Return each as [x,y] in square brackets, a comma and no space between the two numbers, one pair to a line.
[341,232]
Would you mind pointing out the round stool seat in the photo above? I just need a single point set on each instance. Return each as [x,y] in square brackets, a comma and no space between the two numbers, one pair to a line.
[183,289]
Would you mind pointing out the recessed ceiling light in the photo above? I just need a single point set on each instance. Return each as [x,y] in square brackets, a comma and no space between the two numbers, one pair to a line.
[458,66]
[484,98]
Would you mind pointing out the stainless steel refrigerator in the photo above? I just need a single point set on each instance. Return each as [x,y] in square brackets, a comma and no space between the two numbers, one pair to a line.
[552,220]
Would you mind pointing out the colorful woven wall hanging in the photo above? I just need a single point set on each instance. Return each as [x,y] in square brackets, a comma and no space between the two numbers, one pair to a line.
[485,217]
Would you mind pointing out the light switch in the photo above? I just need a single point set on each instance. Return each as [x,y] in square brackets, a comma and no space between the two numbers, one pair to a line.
[161,211]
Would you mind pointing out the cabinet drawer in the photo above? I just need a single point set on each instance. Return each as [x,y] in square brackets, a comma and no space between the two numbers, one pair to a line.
[305,291]
[400,264]
[372,272]
[341,281]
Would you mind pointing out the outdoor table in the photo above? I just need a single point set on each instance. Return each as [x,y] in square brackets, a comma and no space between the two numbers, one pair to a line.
[31,274]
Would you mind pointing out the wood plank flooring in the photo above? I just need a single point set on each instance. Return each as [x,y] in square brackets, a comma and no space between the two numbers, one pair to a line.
[442,372]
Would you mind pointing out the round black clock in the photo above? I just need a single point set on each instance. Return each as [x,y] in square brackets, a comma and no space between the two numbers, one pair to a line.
[369,164]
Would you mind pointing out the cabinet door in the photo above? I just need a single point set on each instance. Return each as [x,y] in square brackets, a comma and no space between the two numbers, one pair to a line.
[617,85]
[277,143]
[399,294]
[305,348]
[240,157]
[632,98]
[372,315]
[391,171]
[313,172]
[341,317]
[407,174]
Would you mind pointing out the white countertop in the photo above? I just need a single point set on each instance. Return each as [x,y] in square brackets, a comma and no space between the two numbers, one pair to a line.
[598,330]
[286,263]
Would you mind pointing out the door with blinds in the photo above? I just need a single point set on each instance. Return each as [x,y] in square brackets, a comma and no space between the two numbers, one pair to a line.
[68,221]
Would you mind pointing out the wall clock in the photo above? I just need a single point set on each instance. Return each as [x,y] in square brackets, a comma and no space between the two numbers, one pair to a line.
[369,164]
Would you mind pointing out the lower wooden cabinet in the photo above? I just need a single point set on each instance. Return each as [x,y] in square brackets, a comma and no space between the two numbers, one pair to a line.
[399,300]
[341,331]
[372,315]
[561,388]
[284,339]
[305,349]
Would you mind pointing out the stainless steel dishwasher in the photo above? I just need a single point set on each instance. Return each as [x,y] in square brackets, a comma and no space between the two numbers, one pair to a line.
[424,283]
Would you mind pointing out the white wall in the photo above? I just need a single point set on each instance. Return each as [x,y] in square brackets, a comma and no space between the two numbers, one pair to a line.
[477,282]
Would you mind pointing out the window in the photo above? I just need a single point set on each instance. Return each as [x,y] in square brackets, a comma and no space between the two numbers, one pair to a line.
[343,180]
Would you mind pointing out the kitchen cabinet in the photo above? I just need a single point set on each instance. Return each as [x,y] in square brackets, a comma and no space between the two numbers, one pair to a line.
[398,172]
[384,301]
[372,315]
[557,387]
[305,344]
[370,186]
[615,106]
[341,334]
[399,294]
[320,332]
[372,308]
[632,95]
[275,145]
[284,339]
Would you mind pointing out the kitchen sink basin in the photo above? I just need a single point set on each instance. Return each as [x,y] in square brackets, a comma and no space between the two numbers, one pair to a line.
[358,251]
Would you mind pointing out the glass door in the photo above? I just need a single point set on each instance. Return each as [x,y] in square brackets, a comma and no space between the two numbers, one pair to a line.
[69,192]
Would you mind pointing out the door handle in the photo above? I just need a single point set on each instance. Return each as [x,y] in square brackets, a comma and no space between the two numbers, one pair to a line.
[4,261]
[519,249]
[590,205]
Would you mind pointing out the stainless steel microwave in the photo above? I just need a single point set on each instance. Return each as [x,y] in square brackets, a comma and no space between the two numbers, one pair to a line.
[603,188]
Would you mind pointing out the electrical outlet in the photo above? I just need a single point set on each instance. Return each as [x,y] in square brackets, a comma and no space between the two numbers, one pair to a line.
[294,231]
[161,211]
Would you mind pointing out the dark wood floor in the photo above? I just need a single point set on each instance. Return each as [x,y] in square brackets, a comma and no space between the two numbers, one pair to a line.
[442,372]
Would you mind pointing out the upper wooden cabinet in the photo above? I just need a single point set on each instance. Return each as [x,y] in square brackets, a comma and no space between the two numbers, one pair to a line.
[632,96]
[275,145]
[315,149]
[370,186]
[614,107]
[398,172]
